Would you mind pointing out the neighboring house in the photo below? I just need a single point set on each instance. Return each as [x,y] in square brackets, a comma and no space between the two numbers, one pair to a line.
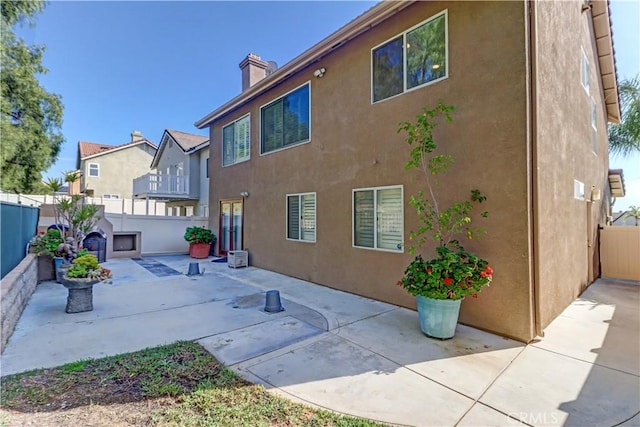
[306,156]
[182,178]
[625,218]
[107,170]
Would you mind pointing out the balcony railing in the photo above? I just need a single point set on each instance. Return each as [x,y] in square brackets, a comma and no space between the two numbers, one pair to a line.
[161,185]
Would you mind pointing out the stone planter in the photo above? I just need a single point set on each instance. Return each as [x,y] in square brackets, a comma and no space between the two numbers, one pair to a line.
[80,298]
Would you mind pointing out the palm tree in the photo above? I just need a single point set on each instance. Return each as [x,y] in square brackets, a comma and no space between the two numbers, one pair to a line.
[633,212]
[624,138]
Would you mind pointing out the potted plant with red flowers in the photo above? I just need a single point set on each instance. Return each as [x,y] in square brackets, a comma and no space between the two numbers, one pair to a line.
[440,283]
[200,240]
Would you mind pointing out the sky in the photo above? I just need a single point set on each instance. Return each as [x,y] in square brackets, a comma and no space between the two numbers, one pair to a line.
[155,65]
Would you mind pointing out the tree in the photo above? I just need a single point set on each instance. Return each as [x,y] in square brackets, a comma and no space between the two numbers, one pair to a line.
[633,212]
[624,138]
[30,117]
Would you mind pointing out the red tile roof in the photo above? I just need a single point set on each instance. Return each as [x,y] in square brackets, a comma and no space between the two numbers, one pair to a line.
[87,149]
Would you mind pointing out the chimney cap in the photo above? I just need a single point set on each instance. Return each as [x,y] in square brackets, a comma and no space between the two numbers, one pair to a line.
[135,135]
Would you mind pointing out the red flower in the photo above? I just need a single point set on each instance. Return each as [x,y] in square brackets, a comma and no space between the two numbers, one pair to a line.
[429,270]
[489,270]
[447,281]
[484,274]
[475,295]
[399,282]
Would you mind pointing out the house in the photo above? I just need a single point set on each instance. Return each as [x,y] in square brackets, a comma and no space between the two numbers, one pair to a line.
[107,171]
[182,177]
[302,157]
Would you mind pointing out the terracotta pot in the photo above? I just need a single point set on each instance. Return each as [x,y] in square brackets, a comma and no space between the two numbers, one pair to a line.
[199,250]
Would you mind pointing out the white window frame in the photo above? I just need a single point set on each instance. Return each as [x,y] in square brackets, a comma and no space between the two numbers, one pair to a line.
[315,217]
[248,156]
[97,169]
[375,227]
[585,79]
[404,56]
[297,144]
[578,190]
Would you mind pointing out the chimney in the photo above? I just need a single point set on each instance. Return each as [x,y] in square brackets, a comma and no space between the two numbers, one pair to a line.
[253,69]
[136,135]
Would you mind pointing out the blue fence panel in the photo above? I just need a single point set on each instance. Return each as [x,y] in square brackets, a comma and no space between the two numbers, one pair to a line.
[18,225]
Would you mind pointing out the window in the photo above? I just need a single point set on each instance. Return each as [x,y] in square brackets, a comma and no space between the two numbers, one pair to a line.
[94,169]
[378,218]
[236,141]
[594,126]
[584,70]
[110,196]
[301,217]
[286,121]
[413,59]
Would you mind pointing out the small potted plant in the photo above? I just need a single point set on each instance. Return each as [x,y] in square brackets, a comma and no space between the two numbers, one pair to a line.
[440,283]
[200,240]
[79,278]
[45,246]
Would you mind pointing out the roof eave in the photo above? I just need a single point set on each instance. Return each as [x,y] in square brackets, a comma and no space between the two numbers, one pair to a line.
[364,22]
[601,17]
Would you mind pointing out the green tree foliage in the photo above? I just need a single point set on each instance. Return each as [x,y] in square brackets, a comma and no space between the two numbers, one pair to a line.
[30,117]
[624,138]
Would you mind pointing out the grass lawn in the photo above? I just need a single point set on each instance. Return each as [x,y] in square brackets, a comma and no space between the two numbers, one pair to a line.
[180,384]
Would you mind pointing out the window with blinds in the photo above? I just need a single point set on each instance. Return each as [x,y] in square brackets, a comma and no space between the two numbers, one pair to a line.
[236,141]
[301,217]
[286,121]
[378,218]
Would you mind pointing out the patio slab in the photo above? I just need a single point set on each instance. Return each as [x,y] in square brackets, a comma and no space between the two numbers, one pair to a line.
[351,354]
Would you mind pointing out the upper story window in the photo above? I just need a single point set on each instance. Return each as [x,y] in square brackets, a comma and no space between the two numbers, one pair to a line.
[236,141]
[286,121]
[412,59]
[584,70]
[378,218]
[94,169]
[301,217]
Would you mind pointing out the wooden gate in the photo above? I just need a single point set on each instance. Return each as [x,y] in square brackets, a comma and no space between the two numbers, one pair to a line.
[620,252]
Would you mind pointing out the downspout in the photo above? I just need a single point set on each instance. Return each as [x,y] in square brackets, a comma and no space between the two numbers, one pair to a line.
[532,135]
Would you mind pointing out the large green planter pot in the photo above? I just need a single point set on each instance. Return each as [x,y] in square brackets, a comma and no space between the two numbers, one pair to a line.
[80,298]
[438,317]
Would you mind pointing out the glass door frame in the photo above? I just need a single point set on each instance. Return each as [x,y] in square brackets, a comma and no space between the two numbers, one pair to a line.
[232,226]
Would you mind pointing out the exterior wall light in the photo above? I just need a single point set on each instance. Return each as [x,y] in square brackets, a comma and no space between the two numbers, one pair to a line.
[319,72]
[245,194]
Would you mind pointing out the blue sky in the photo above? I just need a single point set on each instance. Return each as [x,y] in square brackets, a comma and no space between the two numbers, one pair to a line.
[148,66]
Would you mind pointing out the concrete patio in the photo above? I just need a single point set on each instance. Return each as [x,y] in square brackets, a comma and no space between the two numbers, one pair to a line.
[352,354]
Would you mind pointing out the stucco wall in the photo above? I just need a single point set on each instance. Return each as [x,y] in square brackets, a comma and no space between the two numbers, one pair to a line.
[118,169]
[354,144]
[566,227]
[172,155]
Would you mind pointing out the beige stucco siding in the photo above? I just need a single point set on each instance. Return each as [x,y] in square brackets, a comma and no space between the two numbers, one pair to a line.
[355,144]
[117,170]
[566,227]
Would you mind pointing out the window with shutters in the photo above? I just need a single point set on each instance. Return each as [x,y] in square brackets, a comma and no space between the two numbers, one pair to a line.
[286,121]
[301,217]
[236,141]
[410,60]
[378,218]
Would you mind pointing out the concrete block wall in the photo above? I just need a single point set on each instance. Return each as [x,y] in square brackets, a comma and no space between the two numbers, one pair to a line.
[17,288]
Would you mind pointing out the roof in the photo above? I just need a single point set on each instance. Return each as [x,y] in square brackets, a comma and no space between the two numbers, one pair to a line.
[89,149]
[616,182]
[601,16]
[188,142]
[387,8]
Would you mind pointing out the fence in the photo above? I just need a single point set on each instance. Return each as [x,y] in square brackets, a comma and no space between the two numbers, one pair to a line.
[620,252]
[18,226]
[128,206]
